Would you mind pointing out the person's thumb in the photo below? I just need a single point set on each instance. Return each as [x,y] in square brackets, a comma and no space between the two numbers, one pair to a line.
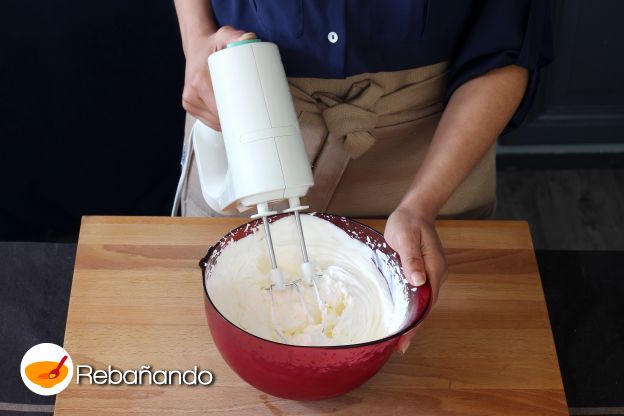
[406,339]
[411,258]
[228,34]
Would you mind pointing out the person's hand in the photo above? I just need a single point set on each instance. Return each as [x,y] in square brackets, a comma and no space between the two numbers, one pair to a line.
[415,238]
[198,98]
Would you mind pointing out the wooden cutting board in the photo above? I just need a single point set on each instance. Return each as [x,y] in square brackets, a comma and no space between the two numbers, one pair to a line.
[137,298]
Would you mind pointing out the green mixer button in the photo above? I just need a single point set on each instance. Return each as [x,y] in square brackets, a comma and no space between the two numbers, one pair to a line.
[242,42]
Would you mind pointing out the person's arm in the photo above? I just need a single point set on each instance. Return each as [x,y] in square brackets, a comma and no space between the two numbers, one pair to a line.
[196,23]
[201,37]
[475,116]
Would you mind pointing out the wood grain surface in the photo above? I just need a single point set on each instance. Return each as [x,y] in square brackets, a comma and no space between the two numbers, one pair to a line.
[137,298]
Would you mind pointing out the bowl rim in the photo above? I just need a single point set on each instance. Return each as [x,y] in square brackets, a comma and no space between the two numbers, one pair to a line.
[203,264]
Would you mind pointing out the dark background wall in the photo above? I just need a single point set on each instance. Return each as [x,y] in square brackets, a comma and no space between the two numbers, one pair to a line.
[581,96]
[90,114]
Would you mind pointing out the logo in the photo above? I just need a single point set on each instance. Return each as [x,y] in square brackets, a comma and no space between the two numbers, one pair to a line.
[46,369]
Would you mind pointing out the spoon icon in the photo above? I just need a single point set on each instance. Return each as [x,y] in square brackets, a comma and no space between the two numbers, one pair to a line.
[54,373]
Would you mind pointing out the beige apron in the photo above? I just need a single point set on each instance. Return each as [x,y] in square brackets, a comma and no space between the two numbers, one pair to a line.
[366,137]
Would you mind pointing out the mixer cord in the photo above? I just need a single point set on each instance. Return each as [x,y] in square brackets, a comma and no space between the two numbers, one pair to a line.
[185,162]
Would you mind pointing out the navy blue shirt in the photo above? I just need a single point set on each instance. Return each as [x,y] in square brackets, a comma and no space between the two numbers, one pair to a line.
[339,38]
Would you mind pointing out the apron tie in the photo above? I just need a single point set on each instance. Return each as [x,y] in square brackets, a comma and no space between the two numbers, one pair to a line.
[351,118]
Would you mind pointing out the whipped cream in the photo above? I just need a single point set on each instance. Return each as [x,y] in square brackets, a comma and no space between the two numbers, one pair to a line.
[359,303]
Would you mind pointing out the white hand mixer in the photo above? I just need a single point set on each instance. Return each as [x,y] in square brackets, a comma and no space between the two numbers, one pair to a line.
[259,157]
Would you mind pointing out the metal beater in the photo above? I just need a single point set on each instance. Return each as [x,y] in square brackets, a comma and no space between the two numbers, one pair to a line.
[288,294]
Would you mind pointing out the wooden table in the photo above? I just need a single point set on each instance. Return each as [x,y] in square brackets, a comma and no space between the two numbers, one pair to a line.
[137,299]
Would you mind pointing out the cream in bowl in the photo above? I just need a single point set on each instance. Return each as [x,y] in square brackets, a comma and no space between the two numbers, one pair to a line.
[359,306]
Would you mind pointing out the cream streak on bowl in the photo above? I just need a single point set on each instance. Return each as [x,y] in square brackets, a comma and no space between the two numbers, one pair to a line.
[358,300]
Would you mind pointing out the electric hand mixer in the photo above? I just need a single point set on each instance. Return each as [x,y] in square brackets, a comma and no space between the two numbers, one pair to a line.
[260,156]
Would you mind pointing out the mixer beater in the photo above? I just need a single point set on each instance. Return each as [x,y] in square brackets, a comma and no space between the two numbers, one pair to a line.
[287,295]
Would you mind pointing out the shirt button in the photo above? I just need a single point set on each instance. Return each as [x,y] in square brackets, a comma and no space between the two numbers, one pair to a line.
[332,37]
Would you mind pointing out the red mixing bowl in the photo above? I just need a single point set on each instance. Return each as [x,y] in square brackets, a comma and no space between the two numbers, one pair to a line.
[306,372]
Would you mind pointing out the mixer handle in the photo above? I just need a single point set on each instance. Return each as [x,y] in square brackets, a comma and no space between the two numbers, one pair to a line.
[212,166]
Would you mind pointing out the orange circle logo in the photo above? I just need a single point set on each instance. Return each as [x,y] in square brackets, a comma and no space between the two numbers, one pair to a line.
[46,369]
